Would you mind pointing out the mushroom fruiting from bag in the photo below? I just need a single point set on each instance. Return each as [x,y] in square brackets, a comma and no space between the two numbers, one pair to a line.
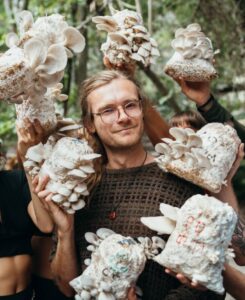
[127,38]
[35,63]
[115,265]
[68,161]
[204,157]
[201,231]
[193,56]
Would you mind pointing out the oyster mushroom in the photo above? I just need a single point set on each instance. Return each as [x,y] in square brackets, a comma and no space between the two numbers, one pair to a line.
[126,28]
[74,40]
[178,150]
[161,224]
[193,57]
[108,22]
[24,20]
[179,134]
[11,39]
[163,148]
[116,263]
[204,157]
[191,249]
[203,160]
[61,160]
[35,62]
[194,141]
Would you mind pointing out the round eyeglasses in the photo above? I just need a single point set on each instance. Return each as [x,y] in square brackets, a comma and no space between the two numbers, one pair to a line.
[110,115]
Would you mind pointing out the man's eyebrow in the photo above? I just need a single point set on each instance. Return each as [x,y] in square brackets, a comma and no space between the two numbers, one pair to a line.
[106,106]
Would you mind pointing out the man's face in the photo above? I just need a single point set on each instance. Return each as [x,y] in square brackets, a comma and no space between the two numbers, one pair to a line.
[124,132]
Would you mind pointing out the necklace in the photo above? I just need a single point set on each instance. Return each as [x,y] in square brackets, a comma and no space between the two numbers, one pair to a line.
[113,213]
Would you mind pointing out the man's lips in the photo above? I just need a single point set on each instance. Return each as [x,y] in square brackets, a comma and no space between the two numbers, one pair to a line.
[124,129]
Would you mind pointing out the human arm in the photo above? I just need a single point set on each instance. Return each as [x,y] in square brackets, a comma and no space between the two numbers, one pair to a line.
[214,112]
[64,265]
[29,136]
[210,109]
[156,127]
[187,290]
[64,262]
[238,241]
[234,282]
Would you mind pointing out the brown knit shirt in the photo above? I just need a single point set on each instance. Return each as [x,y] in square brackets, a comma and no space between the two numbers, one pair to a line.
[137,192]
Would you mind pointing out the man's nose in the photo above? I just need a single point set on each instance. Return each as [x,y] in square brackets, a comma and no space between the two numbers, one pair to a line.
[122,116]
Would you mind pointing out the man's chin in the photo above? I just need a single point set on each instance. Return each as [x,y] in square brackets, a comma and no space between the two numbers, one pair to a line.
[125,144]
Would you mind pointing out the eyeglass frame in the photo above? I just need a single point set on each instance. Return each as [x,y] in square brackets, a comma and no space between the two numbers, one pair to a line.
[118,112]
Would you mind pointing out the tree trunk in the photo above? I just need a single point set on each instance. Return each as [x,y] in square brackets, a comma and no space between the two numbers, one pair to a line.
[161,88]
[150,16]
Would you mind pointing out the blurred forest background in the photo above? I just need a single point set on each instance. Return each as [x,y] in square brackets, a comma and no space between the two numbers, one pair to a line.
[223,21]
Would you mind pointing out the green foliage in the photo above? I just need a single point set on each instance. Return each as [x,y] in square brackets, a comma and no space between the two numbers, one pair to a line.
[7,124]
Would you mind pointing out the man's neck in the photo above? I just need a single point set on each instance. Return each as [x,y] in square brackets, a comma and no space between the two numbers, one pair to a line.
[127,158]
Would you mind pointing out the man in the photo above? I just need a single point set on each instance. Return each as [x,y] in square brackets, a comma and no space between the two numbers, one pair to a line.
[131,186]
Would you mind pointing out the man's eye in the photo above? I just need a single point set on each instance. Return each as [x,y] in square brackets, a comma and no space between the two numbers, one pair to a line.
[131,105]
[108,111]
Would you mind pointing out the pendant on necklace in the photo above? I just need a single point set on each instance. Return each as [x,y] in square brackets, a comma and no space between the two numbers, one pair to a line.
[112,215]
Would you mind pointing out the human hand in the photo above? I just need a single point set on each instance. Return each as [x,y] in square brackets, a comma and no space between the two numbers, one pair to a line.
[127,68]
[28,136]
[62,220]
[199,92]
[184,280]
[132,294]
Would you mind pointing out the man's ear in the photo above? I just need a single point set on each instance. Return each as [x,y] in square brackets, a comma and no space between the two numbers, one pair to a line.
[89,125]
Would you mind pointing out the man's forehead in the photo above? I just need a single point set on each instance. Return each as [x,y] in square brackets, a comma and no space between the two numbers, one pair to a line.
[114,92]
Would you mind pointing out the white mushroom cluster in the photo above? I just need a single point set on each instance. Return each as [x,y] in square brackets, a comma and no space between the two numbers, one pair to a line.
[204,158]
[201,231]
[193,57]
[69,163]
[42,108]
[36,59]
[127,38]
[116,263]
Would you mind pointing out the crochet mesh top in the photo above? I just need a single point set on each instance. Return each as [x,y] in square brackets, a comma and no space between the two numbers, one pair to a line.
[139,191]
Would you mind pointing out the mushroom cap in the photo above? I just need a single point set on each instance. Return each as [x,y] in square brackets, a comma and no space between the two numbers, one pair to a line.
[56,60]
[107,20]
[169,211]
[35,52]
[92,238]
[78,205]
[74,40]
[163,148]
[24,20]
[119,38]
[179,134]
[160,224]
[103,233]
[11,39]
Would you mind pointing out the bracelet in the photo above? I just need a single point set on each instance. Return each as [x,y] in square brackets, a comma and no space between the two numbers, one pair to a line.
[206,106]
